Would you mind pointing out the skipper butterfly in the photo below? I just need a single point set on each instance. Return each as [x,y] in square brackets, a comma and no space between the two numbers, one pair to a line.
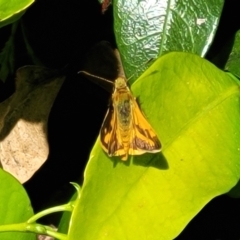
[125,131]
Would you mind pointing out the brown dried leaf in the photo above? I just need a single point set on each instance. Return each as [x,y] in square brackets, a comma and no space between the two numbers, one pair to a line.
[23,121]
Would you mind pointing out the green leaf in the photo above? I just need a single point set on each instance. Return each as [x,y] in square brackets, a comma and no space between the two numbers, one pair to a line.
[194,108]
[233,63]
[11,11]
[66,217]
[15,207]
[148,29]
[7,55]
[235,191]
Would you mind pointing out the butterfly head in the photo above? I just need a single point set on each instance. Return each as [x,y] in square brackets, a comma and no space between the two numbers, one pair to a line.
[120,82]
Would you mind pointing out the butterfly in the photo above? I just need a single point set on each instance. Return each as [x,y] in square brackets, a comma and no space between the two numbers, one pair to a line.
[125,131]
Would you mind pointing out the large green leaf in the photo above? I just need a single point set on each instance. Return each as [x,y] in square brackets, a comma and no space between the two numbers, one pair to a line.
[147,29]
[194,108]
[11,11]
[15,206]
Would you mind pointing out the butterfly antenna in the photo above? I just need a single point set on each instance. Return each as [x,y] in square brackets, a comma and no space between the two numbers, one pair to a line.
[95,76]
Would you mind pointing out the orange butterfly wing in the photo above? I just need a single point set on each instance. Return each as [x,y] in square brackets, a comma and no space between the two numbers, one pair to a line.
[110,136]
[143,138]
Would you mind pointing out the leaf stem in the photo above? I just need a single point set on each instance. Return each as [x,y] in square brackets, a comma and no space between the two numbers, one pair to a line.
[65,207]
[34,228]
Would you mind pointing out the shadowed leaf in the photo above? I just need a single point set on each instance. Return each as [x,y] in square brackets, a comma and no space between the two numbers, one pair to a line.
[23,121]
[233,63]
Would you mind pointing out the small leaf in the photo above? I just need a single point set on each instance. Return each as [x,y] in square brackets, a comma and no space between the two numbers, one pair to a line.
[23,121]
[148,29]
[29,48]
[11,11]
[235,191]
[7,55]
[15,207]
[105,4]
[194,108]
[233,63]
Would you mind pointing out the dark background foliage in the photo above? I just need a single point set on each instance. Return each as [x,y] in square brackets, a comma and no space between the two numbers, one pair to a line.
[61,33]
